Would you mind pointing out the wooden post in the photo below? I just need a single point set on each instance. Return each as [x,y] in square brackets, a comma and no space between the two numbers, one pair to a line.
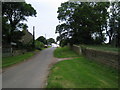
[33,36]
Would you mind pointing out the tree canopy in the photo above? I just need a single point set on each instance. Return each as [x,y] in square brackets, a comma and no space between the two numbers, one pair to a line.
[50,41]
[85,22]
[42,39]
[13,14]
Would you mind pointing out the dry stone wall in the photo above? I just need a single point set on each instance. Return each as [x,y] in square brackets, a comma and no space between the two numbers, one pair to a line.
[104,57]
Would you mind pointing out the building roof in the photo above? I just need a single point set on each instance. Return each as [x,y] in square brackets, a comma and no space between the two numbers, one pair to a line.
[27,38]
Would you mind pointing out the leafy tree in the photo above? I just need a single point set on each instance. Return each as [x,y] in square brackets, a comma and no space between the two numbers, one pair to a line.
[118,26]
[13,13]
[63,31]
[50,41]
[64,42]
[114,24]
[82,20]
[42,39]
[39,45]
[5,30]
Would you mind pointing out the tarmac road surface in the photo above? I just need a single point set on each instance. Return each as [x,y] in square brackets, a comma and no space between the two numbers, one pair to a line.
[29,74]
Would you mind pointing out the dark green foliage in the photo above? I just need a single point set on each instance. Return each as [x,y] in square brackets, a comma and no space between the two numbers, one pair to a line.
[114,23]
[50,41]
[28,47]
[12,14]
[42,39]
[88,22]
[64,42]
[39,45]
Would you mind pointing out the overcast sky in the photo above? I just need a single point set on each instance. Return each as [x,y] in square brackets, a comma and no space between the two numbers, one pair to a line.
[46,20]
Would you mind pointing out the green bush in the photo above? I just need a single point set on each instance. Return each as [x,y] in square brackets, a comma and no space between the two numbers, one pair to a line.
[39,45]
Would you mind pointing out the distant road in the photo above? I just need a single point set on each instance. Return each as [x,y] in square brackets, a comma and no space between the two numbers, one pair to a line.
[29,74]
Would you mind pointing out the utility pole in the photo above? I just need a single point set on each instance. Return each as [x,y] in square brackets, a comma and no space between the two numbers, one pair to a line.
[46,40]
[33,36]
[45,35]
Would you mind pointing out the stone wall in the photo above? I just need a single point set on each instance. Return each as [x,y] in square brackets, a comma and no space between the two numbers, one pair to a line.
[6,52]
[104,57]
[18,52]
[77,49]
[9,52]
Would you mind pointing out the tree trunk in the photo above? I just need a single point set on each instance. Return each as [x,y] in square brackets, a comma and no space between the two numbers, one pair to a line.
[110,40]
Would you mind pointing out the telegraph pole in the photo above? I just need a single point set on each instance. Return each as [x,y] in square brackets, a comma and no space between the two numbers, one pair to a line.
[33,36]
[46,40]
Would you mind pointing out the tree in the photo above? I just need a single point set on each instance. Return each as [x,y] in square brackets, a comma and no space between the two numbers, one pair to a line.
[65,13]
[5,30]
[42,39]
[114,24]
[13,13]
[50,41]
[39,45]
[83,22]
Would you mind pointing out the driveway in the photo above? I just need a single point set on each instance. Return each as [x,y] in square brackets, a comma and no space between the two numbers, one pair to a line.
[29,74]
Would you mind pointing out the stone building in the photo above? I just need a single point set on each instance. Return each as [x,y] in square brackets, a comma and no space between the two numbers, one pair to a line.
[27,38]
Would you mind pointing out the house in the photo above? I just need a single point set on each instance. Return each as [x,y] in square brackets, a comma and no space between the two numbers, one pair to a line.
[27,38]
[12,49]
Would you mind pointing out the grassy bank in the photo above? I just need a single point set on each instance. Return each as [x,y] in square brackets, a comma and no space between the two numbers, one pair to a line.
[102,47]
[8,61]
[64,52]
[81,73]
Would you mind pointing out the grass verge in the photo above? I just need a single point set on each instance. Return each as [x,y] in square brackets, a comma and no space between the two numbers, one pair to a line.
[64,52]
[8,61]
[102,47]
[81,73]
